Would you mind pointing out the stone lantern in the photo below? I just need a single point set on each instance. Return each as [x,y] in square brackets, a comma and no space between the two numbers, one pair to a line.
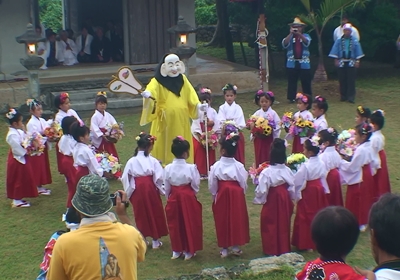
[32,62]
[182,49]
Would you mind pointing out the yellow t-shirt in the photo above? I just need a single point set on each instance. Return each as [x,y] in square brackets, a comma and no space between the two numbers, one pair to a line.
[104,250]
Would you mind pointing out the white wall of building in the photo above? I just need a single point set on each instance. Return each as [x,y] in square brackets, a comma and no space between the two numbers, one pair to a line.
[186,9]
[14,17]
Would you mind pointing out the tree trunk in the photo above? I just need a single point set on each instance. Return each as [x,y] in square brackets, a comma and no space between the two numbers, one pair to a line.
[320,73]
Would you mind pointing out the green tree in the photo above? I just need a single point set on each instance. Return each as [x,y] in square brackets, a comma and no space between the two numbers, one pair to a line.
[50,13]
[318,20]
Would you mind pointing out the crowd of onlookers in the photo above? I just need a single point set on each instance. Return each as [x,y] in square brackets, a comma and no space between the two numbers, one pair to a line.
[93,44]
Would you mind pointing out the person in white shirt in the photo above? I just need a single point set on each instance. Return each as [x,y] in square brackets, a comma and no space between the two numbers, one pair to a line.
[319,109]
[183,210]
[338,32]
[83,44]
[227,184]
[275,192]
[41,46]
[143,183]
[67,49]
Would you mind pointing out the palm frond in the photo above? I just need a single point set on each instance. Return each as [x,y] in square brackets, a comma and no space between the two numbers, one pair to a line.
[309,20]
[306,4]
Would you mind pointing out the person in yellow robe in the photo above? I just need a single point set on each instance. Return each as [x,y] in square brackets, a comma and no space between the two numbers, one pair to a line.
[170,101]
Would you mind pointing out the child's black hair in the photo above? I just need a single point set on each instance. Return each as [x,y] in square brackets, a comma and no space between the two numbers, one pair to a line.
[101,97]
[335,231]
[72,216]
[32,104]
[229,144]
[77,131]
[326,136]
[204,96]
[363,112]
[278,152]
[305,99]
[229,87]
[267,94]
[321,103]
[179,147]
[378,119]
[14,118]
[384,221]
[66,124]
[144,142]
[309,146]
[364,129]
[60,99]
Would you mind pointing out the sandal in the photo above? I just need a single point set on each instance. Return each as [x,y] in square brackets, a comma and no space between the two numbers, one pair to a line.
[237,253]
[222,254]
[23,204]
[159,246]
[190,257]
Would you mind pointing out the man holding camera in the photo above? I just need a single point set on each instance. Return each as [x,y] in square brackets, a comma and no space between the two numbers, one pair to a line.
[298,59]
[101,248]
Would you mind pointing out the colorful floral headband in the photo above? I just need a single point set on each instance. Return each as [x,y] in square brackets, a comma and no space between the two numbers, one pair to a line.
[302,97]
[315,141]
[319,98]
[360,109]
[180,138]
[228,87]
[11,114]
[269,93]
[103,93]
[380,111]
[137,138]
[152,138]
[230,136]
[63,96]
[32,103]
[205,90]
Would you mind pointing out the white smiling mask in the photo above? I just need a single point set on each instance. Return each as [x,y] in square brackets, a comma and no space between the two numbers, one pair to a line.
[172,66]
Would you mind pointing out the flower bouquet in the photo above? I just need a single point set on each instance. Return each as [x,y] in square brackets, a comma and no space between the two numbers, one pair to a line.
[212,138]
[346,144]
[115,132]
[255,172]
[295,160]
[260,126]
[110,164]
[287,121]
[302,128]
[53,132]
[229,127]
[34,144]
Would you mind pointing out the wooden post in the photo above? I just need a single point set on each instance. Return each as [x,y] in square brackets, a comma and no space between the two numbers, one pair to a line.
[263,52]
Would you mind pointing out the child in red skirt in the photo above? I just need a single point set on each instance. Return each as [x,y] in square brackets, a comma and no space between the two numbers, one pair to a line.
[63,104]
[99,122]
[335,232]
[311,190]
[228,183]
[66,147]
[198,128]
[304,105]
[319,109]
[275,191]
[358,175]
[262,143]
[143,183]
[332,159]
[19,182]
[230,111]
[183,210]
[85,161]
[41,163]
[362,115]
[381,178]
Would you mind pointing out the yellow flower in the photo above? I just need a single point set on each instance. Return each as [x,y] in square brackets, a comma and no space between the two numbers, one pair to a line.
[259,122]
[137,138]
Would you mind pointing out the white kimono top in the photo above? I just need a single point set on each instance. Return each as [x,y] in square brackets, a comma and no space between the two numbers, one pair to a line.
[37,125]
[14,138]
[84,156]
[66,145]
[270,113]
[331,158]
[211,115]
[227,169]
[378,143]
[232,112]
[97,122]
[68,57]
[312,169]
[351,172]
[140,166]
[179,173]
[320,123]
[306,115]
[70,113]
[88,43]
[273,176]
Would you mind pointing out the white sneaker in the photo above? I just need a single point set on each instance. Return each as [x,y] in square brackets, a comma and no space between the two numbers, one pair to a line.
[44,191]
[189,256]
[20,204]
[176,255]
[157,244]
[223,253]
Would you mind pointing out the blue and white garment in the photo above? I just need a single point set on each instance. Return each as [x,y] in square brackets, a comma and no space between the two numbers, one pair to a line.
[346,51]
[305,56]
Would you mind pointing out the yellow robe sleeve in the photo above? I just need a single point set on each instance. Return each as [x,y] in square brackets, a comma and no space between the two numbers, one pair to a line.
[192,98]
[148,104]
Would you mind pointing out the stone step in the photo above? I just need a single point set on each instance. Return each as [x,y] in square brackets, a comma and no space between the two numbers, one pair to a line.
[90,94]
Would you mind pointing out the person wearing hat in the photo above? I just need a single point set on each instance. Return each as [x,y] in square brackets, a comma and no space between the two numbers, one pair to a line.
[338,33]
[101,248]
[347,53]
[298,59]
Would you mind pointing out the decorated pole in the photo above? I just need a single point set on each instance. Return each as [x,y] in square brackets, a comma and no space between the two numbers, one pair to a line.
[261,41]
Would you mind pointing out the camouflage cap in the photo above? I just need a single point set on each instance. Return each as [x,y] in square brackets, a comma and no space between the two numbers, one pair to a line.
[92,196]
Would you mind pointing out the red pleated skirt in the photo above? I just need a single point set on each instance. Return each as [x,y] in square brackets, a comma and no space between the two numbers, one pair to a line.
[230,215]
[262,148]
[59,160]
[108,147]
[381,178]
[41,168]
[70,174]
[184,217]
[19,182]
[148,208]
[80,172]
[275,221]
[313,200]
[335,197]
[239,156]
[200,158]
[297,147]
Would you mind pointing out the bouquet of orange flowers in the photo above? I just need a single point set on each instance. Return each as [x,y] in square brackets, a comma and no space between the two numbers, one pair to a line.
[255,172]
[53,132]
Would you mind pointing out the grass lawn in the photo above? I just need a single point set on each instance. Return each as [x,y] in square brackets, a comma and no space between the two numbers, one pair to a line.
[26,231]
